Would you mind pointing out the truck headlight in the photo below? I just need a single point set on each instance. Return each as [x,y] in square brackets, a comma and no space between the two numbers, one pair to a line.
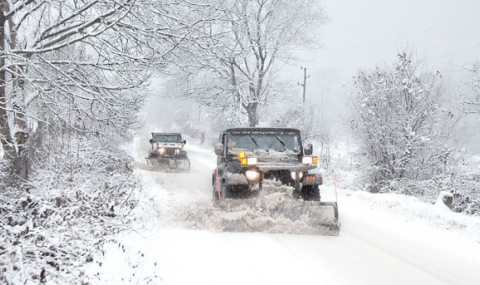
[161,150]
[309,160]
[293,175]
[177,151]
[252,175]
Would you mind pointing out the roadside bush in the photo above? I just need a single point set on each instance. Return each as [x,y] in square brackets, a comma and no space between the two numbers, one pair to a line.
[78,198]
[464,188]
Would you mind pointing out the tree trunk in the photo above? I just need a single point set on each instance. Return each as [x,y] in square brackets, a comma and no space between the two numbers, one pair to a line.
[252,114]
[13,149]
[20,162]
[5,138]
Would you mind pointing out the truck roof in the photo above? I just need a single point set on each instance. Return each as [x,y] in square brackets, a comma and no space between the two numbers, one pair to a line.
[166,134]
[260,130]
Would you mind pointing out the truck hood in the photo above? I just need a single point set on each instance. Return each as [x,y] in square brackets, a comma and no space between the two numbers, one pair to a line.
[265,153]
[169,144]
[275,160]
[282,163]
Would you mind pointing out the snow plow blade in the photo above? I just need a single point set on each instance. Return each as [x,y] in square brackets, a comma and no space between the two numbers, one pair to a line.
[321,215]
[277,214]
[168,164]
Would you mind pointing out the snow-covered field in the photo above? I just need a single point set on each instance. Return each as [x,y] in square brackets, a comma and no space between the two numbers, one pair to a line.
[384,239]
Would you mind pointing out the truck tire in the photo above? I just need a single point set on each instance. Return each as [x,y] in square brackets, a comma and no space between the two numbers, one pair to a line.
[215,194]
[310,193]
[224,191]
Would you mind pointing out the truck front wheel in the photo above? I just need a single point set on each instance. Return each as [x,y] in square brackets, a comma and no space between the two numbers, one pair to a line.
[310,193]
[224,191]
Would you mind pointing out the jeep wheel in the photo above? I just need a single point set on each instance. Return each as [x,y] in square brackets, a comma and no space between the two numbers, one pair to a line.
[224,192]
[310,193]
[215,194]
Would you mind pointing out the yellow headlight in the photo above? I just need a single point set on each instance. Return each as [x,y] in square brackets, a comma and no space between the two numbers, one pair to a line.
[241,155]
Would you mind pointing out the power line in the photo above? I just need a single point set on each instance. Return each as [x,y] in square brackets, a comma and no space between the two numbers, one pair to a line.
[452,42]
[444,22]
[431,27]
[457,51]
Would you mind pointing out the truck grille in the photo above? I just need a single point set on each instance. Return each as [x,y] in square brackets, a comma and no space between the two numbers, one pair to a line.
[170,152]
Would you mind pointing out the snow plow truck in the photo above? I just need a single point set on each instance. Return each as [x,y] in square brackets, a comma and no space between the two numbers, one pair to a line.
[167,153]
[271,171]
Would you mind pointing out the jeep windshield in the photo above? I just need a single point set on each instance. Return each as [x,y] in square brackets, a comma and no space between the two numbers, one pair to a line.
[270,142]
[167,138]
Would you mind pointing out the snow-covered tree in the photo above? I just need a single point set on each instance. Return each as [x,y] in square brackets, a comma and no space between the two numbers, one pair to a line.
[472,103]
[80,64]
[400,123]
[234,67]
[71,85]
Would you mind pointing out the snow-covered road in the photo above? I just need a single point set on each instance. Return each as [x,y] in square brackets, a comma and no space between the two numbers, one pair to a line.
[375,246]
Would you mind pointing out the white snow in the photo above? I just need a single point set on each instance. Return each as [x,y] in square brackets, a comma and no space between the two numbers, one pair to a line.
[384,239]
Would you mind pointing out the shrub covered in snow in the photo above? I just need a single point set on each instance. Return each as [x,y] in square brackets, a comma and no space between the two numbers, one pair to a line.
[462,180]
[464,188]
[401,124]
[76,201]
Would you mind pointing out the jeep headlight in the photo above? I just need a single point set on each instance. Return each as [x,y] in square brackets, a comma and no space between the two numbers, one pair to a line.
[293,174]
[252,175]
[309,160]
[161,151]
[177,151]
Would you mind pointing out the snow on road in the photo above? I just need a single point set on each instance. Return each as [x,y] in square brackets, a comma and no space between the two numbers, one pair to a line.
[378,243]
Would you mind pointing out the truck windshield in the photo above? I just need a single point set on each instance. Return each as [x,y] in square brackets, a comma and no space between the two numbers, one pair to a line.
[271,141]
[167,138]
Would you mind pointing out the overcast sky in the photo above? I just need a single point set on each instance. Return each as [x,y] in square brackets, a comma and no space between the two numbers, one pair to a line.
[366,33]
[362,34]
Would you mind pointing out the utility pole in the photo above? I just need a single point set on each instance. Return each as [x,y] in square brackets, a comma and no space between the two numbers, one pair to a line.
[304,85]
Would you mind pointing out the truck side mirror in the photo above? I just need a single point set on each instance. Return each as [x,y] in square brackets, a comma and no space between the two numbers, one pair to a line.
[308,149]
[151,141]
[184,141]
[219,149]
